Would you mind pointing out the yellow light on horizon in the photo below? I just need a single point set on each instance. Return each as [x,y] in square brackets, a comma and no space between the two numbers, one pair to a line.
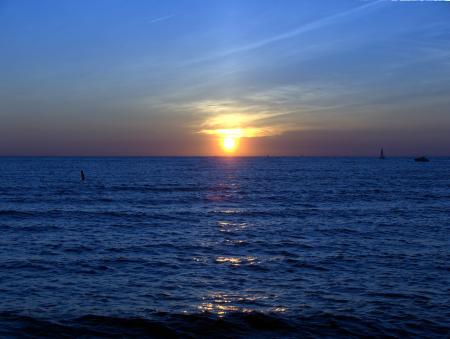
[229,143]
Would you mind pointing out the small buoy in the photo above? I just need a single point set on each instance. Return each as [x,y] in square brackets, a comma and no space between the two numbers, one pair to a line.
[82,175]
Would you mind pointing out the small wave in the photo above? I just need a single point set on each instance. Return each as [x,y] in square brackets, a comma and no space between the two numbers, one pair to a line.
[77,248]
[304,265]
[35,265]
[156,189]
[232,325]
[259,213]
[15,213]
[394,295]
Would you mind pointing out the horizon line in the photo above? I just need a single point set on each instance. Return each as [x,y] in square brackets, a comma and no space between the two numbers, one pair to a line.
[220,156]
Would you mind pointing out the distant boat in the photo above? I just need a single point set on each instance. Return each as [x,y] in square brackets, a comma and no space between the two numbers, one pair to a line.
[382,154]
[421,159]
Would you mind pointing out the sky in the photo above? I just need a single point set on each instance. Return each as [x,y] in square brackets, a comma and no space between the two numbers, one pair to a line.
[291,77]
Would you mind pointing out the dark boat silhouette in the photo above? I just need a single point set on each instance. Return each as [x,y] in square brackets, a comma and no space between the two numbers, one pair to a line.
[421,159]
[382,154]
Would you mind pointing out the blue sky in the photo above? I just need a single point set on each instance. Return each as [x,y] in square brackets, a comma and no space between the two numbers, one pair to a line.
[165,77]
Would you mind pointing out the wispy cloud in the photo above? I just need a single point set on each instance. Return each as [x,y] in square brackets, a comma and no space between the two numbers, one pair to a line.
[162,18]
[278,110]
[242,118]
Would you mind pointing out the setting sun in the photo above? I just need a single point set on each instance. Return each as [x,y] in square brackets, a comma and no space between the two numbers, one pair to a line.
[229,143]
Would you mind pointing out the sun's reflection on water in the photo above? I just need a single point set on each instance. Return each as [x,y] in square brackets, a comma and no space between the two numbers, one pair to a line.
[220,309]
[235,242]
[226,226]
[236,261]
[220,303]
[223,303]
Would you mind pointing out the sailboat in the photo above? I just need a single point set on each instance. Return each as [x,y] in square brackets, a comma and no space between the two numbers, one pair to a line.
[382,154]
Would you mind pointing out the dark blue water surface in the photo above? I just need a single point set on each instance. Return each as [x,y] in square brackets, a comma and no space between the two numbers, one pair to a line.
[268,247]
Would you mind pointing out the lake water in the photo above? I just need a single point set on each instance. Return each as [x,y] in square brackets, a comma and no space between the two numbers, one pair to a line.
[268,247]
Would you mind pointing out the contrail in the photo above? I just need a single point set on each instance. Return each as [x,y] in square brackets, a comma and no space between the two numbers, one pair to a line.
[162,18]
[293,33]
[304,28]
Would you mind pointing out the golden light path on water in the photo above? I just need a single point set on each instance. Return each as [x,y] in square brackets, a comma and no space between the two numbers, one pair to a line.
[231,232]
[221,303]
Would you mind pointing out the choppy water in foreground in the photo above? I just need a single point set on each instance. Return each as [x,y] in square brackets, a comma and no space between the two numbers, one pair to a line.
[265,247]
